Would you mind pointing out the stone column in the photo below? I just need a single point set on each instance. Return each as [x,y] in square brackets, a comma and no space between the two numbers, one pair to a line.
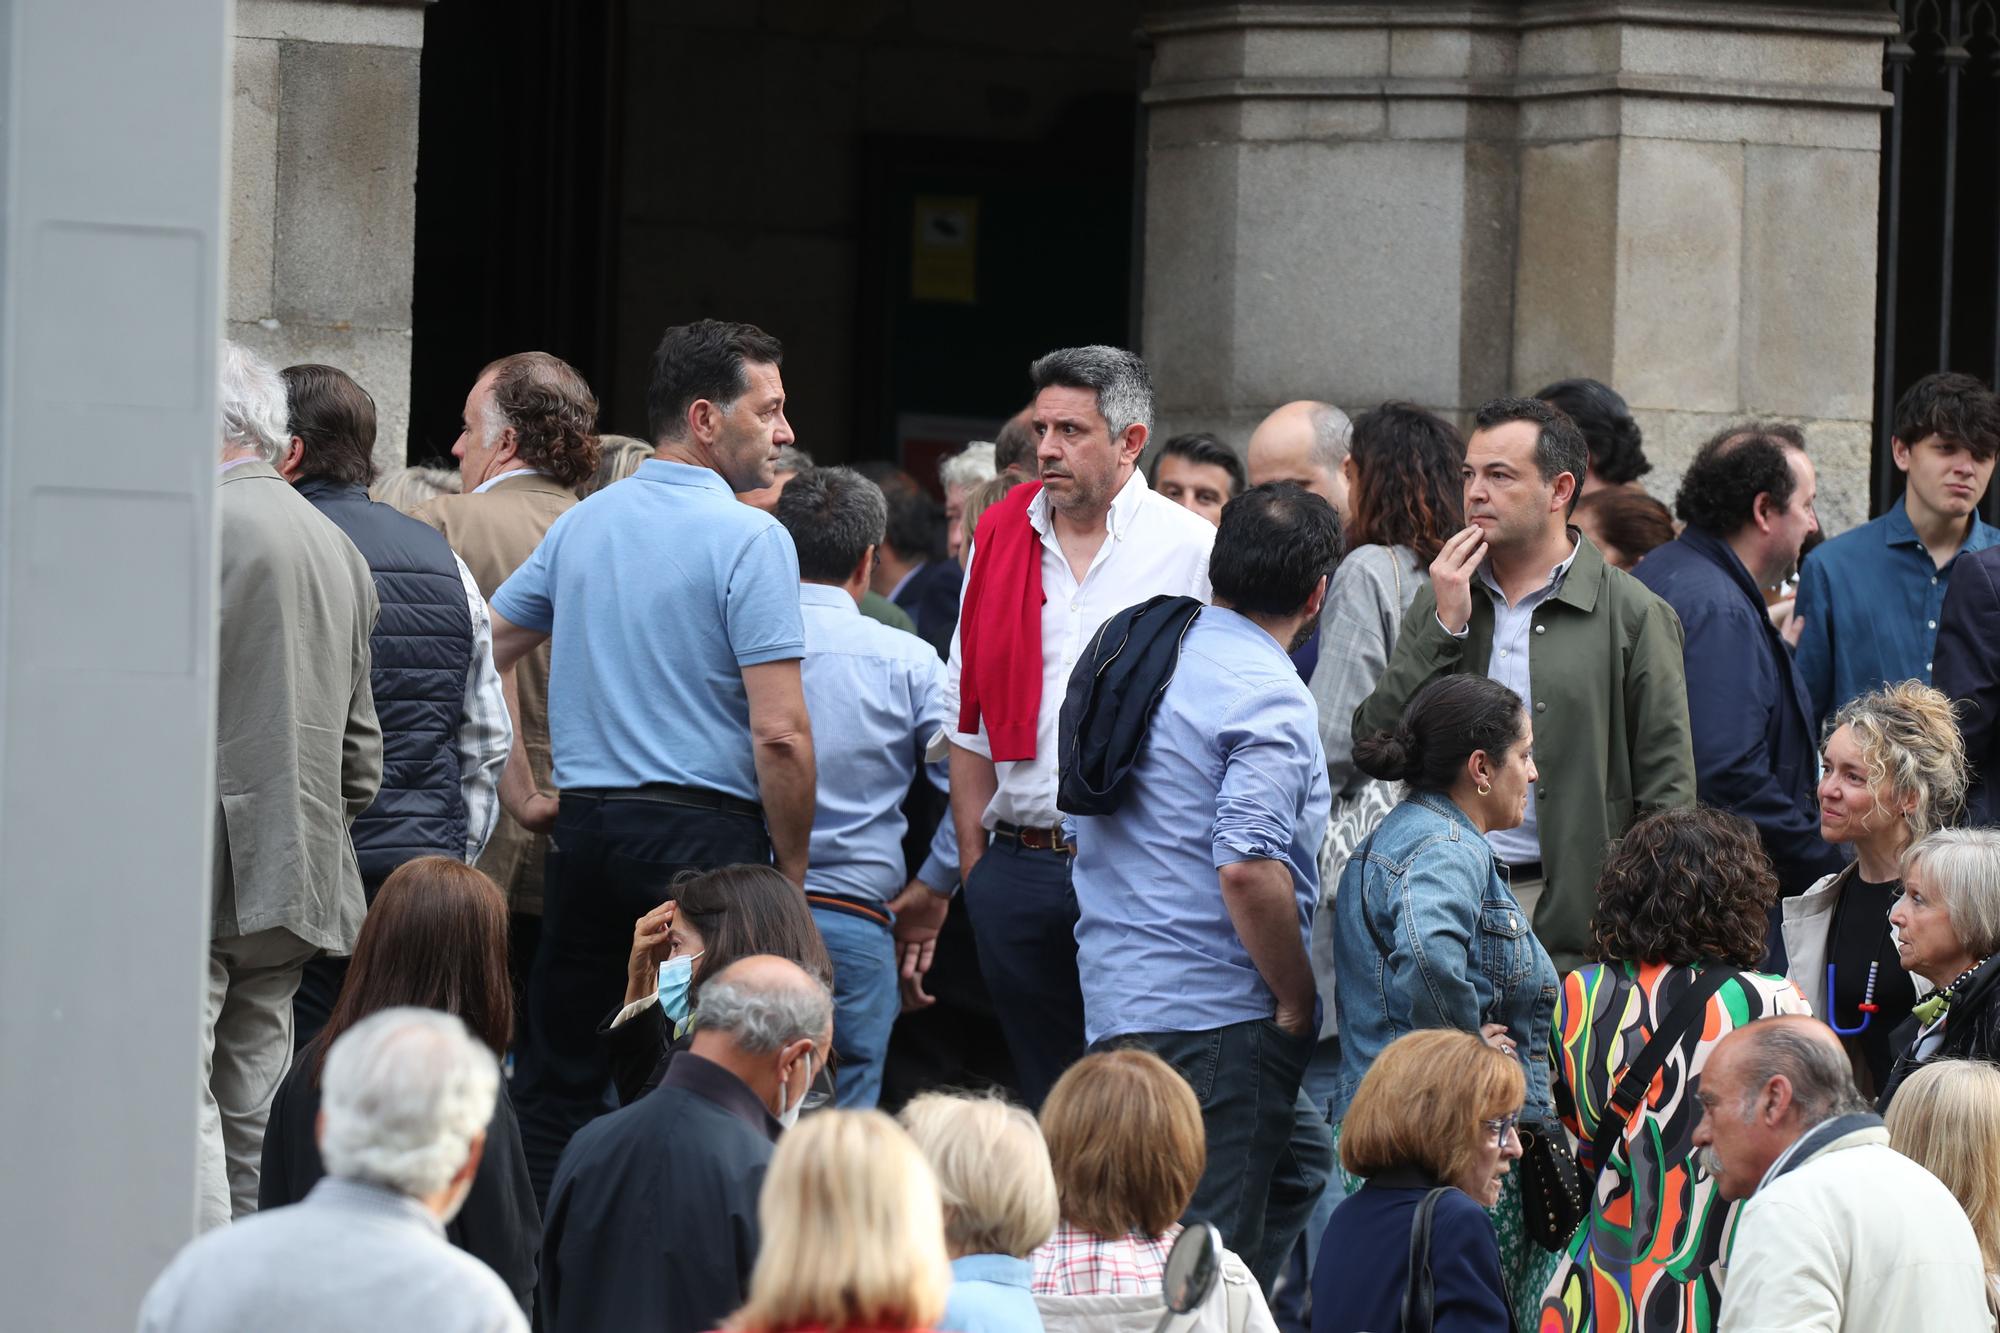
[1699,193]
[1446,202]
[322,217]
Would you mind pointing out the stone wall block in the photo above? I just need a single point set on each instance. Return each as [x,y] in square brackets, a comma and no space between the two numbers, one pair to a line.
[1490,232]
[1349,282]
[253,178]
[1428,118]
[1809,342]
[1584,48]
[1680,263]
[1327,53]
[1197,56]
[1177,124]
[1566,287]
[347,166]
[1782,123]
[1313,118]
[1810,60]
[1189,334]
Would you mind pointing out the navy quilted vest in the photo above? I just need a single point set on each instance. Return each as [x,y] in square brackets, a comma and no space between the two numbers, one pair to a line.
[422,656]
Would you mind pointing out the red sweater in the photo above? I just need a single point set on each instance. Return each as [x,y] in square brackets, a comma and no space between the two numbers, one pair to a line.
[1000,629]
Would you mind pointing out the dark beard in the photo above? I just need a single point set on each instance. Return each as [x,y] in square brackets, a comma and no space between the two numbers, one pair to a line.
[1299,639]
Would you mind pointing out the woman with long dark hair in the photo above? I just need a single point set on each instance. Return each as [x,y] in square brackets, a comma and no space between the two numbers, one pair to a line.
[435,938]
[712,919]
[1404,498]
[1609,431]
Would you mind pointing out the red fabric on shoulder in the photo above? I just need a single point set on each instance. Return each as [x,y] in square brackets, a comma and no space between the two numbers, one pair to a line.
[1000,629]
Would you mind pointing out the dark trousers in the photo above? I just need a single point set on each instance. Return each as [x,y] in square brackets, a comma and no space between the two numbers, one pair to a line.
[611,860]
[1269,1150]
[1023,913]
[319,987]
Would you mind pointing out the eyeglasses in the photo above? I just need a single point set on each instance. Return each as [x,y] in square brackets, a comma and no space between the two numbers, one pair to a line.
[1501,1128]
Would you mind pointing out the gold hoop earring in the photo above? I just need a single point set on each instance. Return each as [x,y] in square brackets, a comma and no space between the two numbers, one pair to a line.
[1485,790]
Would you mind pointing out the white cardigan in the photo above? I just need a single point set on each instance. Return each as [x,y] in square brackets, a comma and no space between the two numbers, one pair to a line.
[1808,920]
[1855,1239]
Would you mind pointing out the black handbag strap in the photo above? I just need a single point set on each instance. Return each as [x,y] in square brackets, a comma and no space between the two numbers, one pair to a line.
[1419,1296]
[1630,1093]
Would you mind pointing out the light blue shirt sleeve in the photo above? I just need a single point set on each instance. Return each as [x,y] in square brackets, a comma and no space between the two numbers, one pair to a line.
[1268,739]
[526,598]
[761,610]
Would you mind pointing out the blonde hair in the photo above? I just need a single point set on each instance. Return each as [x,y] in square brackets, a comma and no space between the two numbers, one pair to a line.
[1946,1119]
[1961,868]
[408,488]
[1910,743]
[618,457]
[1421,1102]
[982,498]
[992,1170]
[1126,1141]
[853,1233]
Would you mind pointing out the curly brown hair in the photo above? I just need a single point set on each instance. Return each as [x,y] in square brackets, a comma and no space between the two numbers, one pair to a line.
[552,411]
[1683,886]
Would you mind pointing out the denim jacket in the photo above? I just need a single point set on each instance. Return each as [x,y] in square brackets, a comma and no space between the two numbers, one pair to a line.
[1460,950]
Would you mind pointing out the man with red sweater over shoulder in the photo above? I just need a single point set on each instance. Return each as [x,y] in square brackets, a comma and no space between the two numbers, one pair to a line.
[1050,564]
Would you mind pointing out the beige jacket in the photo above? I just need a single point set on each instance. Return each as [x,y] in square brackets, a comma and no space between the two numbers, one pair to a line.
[298,751]
[495,533]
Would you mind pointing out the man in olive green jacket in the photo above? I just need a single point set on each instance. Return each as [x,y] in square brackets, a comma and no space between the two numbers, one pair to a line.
[1596,658]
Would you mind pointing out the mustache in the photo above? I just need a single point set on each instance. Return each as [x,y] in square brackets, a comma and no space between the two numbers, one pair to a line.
[1709,1162]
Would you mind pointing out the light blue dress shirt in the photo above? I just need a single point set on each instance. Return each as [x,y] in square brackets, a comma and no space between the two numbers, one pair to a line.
[1869,602]
[876,696]
[991,1293]
[1231,770]
[655,596]
[1509,664]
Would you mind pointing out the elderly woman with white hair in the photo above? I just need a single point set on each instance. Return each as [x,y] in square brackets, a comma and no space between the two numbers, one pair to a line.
[1947,931]
[406,1098]
[999,1195]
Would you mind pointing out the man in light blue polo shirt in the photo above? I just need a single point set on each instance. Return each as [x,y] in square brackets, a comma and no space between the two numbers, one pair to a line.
[876,696]
[677,722]
[1195,898]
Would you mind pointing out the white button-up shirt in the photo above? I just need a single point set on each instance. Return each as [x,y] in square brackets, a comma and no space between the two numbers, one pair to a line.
[1152,546]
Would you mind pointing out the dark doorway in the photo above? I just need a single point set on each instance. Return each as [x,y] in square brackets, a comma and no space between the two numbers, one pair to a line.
[977,258]
[517,138]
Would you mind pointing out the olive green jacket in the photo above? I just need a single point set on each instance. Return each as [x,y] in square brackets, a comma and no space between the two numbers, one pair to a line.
[1610,717]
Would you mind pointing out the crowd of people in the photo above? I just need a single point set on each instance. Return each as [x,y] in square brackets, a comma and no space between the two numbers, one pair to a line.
[1486,898]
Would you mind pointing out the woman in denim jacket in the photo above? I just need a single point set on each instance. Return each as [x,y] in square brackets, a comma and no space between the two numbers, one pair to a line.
[1426,933]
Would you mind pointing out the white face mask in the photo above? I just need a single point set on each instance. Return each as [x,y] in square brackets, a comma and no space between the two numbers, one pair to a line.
[790,1115]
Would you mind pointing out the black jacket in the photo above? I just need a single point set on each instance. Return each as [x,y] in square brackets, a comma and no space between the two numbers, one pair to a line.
[1114,690]
[1754,750]
[498,1224]
[1966,665]
[421,656]
[1971,1030]
[930,595]
[652,1221]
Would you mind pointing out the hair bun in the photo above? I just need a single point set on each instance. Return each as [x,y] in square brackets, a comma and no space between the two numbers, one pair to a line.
[1387,755]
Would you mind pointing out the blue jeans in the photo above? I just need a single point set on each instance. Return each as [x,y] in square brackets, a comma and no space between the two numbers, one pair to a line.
[1269,1148]
[865,1002]
[1023,914]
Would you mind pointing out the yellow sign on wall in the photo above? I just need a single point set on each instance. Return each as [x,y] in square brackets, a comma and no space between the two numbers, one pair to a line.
[944,248]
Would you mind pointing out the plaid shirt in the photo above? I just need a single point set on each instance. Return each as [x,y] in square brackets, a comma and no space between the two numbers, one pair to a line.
[1075,1262]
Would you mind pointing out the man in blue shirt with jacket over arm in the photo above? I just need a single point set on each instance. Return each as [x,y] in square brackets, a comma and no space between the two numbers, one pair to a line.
[1197,876]
[876,696]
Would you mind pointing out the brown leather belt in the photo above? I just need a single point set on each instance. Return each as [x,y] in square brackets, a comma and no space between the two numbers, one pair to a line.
[1036,839]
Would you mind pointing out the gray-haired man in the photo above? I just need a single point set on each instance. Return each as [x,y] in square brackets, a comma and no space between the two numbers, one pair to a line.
[652,1222]
[405,1100]
[1050,564]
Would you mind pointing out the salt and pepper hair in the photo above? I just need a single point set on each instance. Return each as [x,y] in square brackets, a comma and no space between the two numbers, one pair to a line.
[1332,434]
[764,1019]
[1820,1075]
[404,1093]
[968,467]
[1124,389]
[1961,868]
[253,406]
